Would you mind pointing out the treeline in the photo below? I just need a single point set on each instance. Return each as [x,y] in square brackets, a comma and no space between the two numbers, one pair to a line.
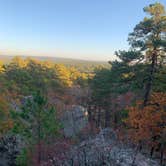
[131,96]
[23,76]
[81,65]
[34,95]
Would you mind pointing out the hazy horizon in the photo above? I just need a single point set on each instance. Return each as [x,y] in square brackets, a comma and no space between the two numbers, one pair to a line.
[50,57]
[75,56]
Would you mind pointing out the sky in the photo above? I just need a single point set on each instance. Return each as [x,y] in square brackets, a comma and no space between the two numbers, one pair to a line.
[81,29]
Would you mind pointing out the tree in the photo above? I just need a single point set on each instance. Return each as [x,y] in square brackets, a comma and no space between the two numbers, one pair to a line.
[64,75]
[19,62]
[148,44]
[1,67]
[37,122]
[149,37]
[147,125]
[129,56]
[146,119]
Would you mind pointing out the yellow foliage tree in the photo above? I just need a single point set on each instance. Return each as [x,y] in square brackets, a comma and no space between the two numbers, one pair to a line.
[1,67]
[63,74]
[18,61]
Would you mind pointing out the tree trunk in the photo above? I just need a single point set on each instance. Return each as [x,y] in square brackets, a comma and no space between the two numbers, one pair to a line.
[99,118]
[107,118]
[39,139]
[150,79]
[161,154]
[115,119]
[89,113]
[151,152]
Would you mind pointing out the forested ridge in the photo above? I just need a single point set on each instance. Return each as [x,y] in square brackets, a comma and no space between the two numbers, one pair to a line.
[128,98]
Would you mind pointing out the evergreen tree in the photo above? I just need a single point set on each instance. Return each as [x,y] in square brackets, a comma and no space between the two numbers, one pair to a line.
[36,123]
[149,37]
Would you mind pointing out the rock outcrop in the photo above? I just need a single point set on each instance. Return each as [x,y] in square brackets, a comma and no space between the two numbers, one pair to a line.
[74,121]
[104,150]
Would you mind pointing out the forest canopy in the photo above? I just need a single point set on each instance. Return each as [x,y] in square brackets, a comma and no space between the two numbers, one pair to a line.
[127,95]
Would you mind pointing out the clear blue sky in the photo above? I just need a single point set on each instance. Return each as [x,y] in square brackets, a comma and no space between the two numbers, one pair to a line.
[84,29]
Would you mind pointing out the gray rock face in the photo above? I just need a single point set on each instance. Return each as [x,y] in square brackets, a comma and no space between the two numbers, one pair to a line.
[74,120]
[104,150]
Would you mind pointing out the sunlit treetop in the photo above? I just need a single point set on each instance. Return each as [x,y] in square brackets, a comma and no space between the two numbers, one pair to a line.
[149,36]
[155,10]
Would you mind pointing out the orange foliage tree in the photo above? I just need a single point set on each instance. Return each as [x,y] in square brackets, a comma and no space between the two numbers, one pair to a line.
[148,124]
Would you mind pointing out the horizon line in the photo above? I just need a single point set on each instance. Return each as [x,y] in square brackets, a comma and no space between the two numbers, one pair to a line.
[57,57]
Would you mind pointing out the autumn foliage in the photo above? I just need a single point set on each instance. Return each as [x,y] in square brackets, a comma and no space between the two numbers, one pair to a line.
[148,124]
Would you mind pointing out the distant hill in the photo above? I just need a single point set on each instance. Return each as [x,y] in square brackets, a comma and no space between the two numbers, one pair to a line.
[6,59]
[80,64]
